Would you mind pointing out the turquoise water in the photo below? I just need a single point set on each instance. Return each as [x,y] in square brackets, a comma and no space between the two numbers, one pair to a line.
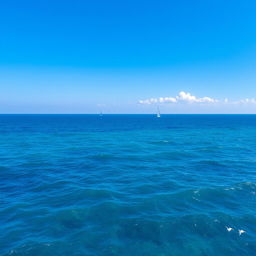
[127,185]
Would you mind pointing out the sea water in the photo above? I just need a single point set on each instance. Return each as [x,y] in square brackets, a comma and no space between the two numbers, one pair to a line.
[128,185]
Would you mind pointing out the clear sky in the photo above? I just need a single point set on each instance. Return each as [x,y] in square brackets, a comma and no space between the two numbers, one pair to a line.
[61,56]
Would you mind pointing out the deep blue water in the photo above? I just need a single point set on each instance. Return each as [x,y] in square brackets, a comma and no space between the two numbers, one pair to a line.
[127,185]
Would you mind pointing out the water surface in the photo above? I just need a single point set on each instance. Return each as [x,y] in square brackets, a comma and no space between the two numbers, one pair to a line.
[127,185]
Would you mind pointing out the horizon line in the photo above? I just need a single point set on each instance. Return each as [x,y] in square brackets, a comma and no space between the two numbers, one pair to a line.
[127,114]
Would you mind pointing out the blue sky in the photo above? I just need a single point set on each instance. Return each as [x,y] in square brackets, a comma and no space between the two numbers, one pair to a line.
[127,56]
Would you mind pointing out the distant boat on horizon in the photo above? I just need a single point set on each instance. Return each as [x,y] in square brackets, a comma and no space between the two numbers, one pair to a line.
[158,112]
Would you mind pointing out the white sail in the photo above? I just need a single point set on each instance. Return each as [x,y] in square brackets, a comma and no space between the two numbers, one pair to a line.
[158,112]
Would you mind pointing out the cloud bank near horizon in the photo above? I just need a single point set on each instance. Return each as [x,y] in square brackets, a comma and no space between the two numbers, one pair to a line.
[186,97]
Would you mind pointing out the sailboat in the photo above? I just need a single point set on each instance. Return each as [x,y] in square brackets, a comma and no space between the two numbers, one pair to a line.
[158,112]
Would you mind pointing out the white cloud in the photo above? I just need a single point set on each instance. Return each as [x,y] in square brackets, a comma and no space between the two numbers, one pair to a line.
[248,101]
[187,97]
[182,97]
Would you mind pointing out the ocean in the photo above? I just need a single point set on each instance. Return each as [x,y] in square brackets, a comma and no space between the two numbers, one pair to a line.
[128,185]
